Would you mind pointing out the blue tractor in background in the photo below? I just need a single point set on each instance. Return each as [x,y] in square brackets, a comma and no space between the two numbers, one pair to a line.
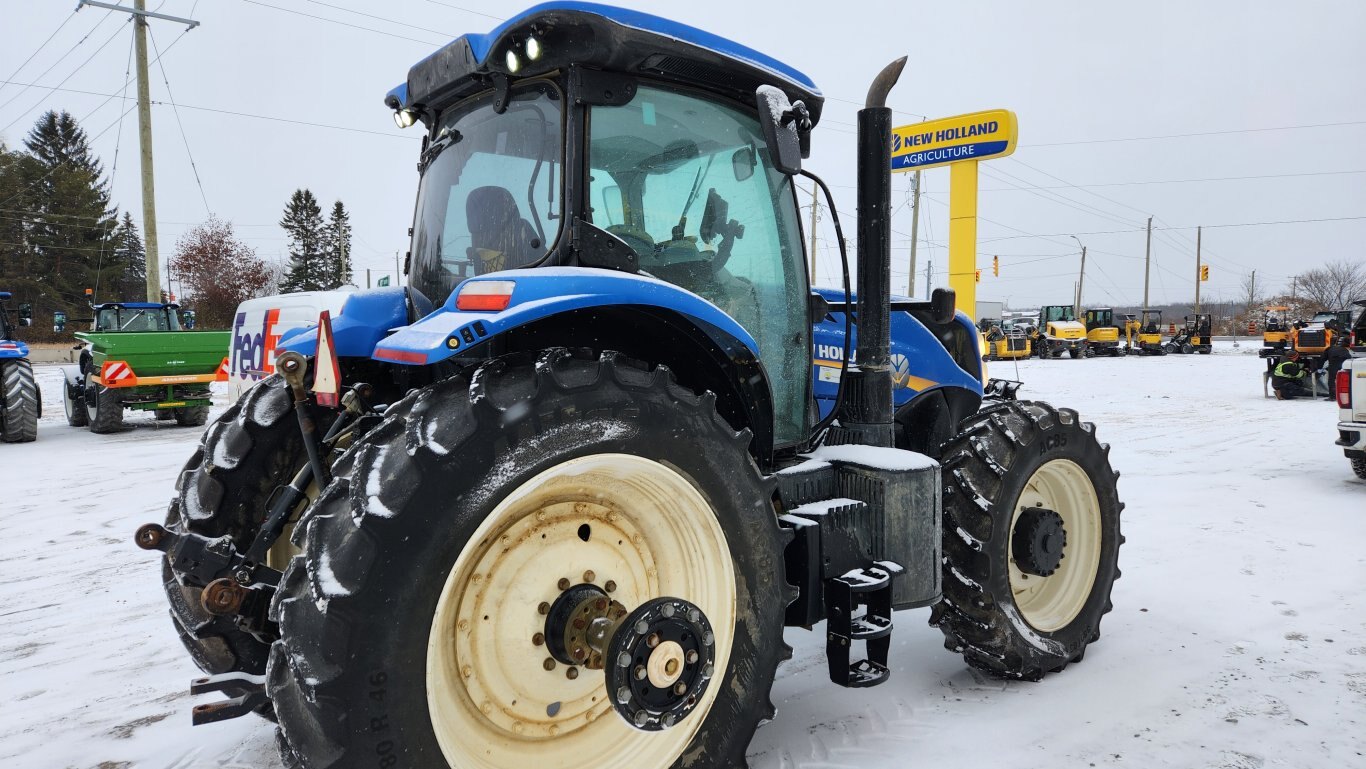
[555,502]
[21,404]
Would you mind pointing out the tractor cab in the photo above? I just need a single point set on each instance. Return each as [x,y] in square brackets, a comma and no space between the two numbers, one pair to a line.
[1102,335]
[552,154]
[133,316]
[23,317]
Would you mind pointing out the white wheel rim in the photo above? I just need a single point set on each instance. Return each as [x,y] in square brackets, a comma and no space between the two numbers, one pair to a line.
[651,532]
[1051,603]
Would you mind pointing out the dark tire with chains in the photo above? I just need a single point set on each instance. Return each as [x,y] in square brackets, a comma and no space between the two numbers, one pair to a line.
[1359,467]
[409,623]
[252,448]
[1031,539]
[19,404]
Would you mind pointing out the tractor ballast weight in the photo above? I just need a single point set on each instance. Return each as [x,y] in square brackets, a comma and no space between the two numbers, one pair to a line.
[610,377]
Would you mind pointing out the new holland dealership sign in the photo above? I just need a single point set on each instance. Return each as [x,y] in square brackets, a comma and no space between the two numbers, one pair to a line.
[934,143]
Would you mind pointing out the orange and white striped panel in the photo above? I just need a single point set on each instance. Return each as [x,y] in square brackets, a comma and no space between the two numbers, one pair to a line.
[116,373]
[222,374]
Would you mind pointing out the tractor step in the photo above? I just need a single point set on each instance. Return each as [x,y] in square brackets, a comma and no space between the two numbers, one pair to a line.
[247,693]
[870,588]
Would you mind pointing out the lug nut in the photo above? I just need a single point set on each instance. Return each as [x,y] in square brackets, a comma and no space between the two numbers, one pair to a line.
[538,639]
[564,583]
[579,624]
[544,608]
[600,604]
[549,663]
[692,657]
[571,673]
[611,586]
[589,576]
[652,641]
[579,653]
[680,689]
[640,673]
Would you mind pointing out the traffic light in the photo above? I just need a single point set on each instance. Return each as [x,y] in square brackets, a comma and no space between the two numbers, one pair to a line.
[996,266]
[979,276]
[1204,272]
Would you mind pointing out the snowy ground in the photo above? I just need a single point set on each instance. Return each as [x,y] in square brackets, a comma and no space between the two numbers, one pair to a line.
[1238,637]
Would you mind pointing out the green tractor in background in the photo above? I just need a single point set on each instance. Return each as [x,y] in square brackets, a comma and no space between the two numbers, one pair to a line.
[143,356]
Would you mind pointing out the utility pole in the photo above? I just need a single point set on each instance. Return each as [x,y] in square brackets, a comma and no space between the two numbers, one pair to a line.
[929,275]
[398,276]
[1147,262]
[1081,278]
[149,207]
[815,217]
[1197,270]
[915,232]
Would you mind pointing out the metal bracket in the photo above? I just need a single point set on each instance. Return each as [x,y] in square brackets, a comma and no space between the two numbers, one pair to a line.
[247,693]
[874,627]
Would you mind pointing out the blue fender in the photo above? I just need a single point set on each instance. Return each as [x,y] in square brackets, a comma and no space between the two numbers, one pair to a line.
[544,292]
[365,318]
[12,349]
[920,362]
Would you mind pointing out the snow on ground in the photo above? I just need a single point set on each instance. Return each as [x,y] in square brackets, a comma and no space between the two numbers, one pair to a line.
[1238,637]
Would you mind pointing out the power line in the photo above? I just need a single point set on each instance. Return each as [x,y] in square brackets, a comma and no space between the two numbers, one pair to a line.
[181,125]
[381,18]
[341,23]
[1188,227]
[60,59]
[39,49]
[50,89]
[468,10]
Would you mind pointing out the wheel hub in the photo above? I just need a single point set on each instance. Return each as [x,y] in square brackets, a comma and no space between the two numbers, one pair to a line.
[1039,541]
[579,623]
[662,658]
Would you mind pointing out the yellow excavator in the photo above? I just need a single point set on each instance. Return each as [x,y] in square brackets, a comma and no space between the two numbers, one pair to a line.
[1146,334]
[1276,327]
[1102,335]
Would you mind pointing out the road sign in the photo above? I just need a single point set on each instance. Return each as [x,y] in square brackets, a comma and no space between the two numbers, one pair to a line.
[934,143]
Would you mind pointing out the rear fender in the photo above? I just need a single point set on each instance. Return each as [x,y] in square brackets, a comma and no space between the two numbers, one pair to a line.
[541,293]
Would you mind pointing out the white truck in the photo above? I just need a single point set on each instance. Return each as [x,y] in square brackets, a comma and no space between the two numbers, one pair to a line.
[258,325]
[1351,396]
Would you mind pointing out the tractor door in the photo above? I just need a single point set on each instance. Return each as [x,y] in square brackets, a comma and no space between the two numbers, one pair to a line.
[686,181]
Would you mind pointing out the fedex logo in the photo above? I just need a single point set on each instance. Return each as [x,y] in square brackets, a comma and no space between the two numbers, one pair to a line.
[253,348]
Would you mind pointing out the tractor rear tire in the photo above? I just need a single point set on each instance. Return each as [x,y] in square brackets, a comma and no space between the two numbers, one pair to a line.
[104,412]
[1359,467]
[19,405]
[191,416]
[407,622]
[1011,457]
[250,450]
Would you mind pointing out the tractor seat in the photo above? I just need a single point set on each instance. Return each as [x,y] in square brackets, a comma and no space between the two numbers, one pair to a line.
[500,239]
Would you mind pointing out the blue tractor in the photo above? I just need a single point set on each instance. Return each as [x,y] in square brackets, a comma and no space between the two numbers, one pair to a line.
[555,502]
[21,404]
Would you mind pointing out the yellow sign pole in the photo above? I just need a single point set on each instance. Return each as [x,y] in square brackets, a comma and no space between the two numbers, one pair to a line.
[963,234]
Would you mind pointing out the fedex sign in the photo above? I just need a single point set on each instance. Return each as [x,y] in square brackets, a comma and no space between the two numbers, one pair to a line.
[253,346]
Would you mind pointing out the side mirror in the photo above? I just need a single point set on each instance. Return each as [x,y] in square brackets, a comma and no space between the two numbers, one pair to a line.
[743,163]
[58,322]
[782,123]
[187,319]
[943,305]
[26,314]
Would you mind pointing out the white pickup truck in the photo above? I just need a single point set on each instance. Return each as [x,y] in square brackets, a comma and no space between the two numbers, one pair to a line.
[1351,395]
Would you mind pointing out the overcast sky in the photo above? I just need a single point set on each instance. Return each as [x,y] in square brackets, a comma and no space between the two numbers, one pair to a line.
[1107,96]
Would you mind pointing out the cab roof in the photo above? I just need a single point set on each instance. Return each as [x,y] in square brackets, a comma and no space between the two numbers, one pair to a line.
[602,37]
[135,306]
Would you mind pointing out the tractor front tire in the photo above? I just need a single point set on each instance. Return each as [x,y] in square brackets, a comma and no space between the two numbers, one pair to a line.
[1031,539]
[19,406]
[104,412]
[411,623]
[250,450]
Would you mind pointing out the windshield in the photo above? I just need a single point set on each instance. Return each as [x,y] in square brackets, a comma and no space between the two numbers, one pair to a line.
[490,193]
[1058,314]
[687,183]
[131,319]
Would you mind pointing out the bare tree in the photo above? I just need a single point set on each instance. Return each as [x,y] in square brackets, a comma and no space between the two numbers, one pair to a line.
[1335,285]
[218,270]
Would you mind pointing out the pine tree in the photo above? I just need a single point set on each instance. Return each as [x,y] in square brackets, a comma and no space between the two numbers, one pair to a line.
[131,257]
[303,222]
[337,235]
[68,203]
